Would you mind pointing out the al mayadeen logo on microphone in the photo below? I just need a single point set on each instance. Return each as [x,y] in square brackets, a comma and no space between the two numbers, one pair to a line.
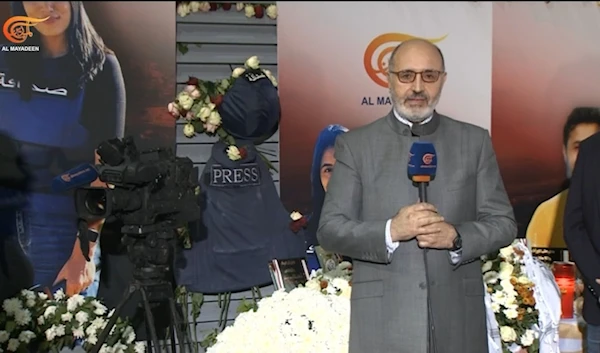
[17,30]
[375,61]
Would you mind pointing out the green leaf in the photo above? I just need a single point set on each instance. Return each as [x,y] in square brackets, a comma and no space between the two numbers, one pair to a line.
[198,126]
[197,301]
[209,340]
[182,48]
[10,326]
[245,306]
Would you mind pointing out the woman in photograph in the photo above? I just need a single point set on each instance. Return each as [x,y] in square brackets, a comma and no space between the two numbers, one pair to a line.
[320,172]
[58,104]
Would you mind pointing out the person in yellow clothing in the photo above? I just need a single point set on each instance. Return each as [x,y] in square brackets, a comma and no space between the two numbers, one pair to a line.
[545,229]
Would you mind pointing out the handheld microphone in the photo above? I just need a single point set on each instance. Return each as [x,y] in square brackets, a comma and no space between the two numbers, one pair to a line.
[81,175]
[422,166]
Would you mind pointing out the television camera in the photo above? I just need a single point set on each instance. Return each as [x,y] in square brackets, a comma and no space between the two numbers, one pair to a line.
[153,193]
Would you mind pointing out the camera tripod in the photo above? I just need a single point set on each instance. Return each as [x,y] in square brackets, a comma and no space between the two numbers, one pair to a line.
[151,250]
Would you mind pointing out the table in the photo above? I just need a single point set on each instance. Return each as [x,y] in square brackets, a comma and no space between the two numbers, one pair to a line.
[570,336]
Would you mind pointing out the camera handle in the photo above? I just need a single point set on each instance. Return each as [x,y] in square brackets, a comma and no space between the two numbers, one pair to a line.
[85,235]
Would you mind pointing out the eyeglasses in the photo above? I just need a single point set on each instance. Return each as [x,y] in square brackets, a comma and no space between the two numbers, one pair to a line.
[409,76]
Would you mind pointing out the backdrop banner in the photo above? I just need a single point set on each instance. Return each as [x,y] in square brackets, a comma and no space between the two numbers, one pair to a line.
[335,72]
[72,76]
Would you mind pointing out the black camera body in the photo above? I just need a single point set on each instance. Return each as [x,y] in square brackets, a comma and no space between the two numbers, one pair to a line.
[145,188]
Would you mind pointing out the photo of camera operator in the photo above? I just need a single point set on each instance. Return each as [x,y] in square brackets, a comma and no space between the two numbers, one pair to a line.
[58,104]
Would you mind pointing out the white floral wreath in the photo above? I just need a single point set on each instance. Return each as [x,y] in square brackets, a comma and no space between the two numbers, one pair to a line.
[38,322]
[198,103]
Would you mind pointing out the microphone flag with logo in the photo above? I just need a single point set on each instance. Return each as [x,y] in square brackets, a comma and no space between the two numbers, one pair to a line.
[422,164]
[81,175]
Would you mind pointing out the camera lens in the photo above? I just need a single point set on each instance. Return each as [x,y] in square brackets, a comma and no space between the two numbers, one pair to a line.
[95,202]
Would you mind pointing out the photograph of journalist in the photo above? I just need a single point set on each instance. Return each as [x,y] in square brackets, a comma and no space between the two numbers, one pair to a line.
[545,229]
[58,104]
[581,230]
[416,264]
[322,165]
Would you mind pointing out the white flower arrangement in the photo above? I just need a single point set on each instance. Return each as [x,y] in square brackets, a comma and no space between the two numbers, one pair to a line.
[313,318]
[512,299]
[35,322]
[185,8]
[199,101]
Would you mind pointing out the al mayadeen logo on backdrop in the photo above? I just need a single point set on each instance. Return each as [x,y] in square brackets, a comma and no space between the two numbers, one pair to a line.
[17,30]
[375,62]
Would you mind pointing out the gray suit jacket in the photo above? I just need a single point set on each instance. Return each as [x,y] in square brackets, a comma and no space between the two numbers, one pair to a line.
[369,184]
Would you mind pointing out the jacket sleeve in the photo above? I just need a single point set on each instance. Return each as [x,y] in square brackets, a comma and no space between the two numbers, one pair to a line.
[340,228]
[495,226]
[580,246]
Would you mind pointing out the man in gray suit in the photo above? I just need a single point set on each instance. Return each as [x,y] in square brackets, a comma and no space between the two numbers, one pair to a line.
[417,285]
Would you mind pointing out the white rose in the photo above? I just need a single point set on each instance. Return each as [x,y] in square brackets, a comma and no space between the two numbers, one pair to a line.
[511,313]
[272,11]
[486,266]
[13,345]
[506,270]
[527,338]
[204,6]
[195,94]
[508,334]
[26,336]
[188,130]
[507,252]
[233,153]
[23,317]
[204,113]
[237,72]
[490,277]
[225,84]
[249,11]
[214,118]
[239,6]
[194,6]
[183,9]
[210,128]
[340,284]
[49,311]
[139,347]
[271,77]
[295,215]
[4,336]
[185,100]
[314,284]
[252,62]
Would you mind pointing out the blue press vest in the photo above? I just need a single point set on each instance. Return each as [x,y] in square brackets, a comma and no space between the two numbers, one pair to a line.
[244,226]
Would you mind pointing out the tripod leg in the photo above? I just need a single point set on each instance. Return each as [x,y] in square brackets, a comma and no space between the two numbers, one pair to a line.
[113,320]
[150,320]
[172,338]
[176,323]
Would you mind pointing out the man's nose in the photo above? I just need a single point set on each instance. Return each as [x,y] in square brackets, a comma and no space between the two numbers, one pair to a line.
[418,84]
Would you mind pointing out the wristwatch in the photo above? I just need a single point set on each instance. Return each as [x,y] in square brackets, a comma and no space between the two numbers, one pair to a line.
[457,244]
